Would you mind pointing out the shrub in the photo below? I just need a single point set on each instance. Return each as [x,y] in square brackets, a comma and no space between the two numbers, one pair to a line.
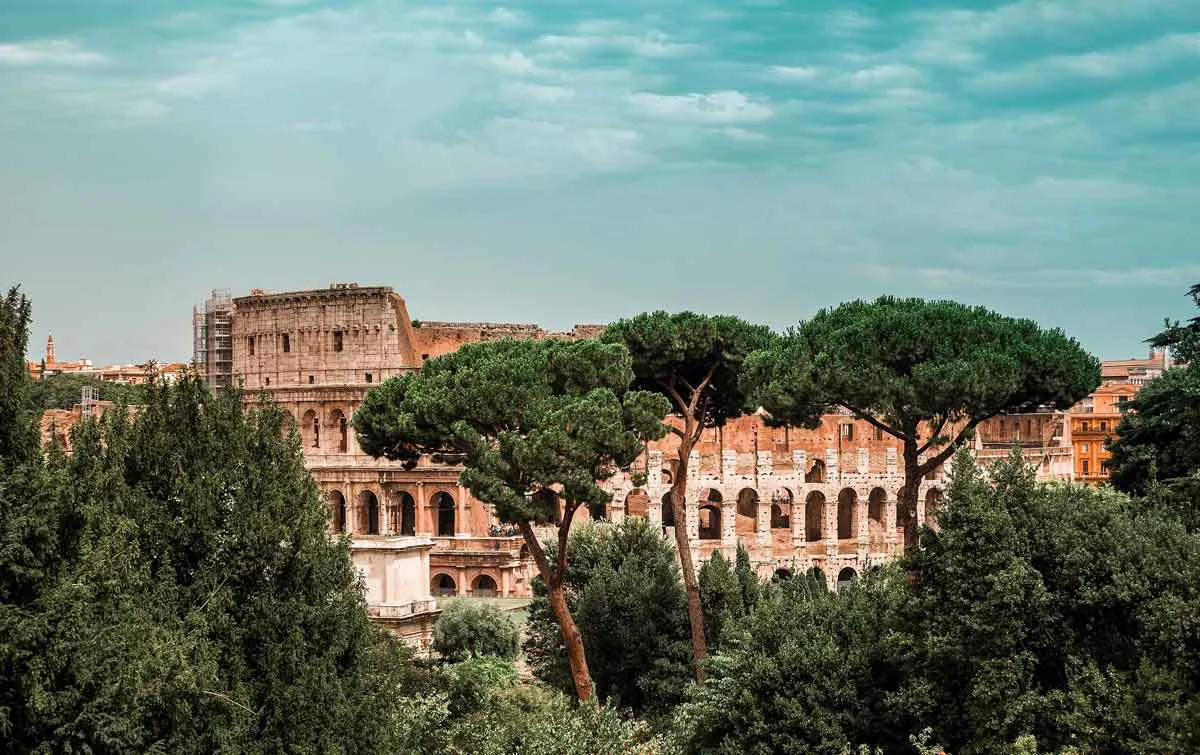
[470,628]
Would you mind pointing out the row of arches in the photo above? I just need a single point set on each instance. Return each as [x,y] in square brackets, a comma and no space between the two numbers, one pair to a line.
[846,524]
[846,577]
[368,517]
[442,585]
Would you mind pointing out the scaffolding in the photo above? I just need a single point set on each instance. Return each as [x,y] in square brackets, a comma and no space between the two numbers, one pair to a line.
[212,339]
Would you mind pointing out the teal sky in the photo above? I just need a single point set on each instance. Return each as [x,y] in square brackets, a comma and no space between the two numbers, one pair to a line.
[562,162]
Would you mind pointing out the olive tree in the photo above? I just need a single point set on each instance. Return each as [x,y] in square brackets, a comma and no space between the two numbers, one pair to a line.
[694,361]
[924,372]
[538,424]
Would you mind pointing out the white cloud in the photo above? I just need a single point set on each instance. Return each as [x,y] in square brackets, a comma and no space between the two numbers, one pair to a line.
[52,52]
[1045,17]
[729,106]
[953,279]
[193,84]
[522,91]
[598,37]
[795,73]
[515,62]
[885,75]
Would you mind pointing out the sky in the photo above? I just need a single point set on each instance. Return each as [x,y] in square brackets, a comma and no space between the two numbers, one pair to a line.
[562,162]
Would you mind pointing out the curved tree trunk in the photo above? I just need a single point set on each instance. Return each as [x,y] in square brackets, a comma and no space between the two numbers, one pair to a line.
[683,544]
[576,656]
[906,497]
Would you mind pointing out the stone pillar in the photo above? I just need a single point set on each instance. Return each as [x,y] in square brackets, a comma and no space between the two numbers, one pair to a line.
[892,462]
[461,579]
[862,508]
[654,483]
[762,522]
[693,519]
[423,516]
[889,521]
[864,461]
[831,465]
[462,517]
[829,525]
[920,507]
[693,467]
[799,517]
[506,583]
[765,464]
[800,463]
[654,511]
[616,509]
[729,528]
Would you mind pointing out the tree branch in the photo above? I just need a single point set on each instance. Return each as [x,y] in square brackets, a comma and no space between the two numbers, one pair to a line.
[699,390]
[564,530]
[680,404]
[537,551]
[934,436]
[872,419]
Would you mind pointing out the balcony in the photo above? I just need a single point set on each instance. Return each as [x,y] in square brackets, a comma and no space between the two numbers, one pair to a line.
[402,610]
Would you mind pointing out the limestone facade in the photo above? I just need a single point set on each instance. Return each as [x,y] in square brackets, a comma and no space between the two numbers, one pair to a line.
[796,498]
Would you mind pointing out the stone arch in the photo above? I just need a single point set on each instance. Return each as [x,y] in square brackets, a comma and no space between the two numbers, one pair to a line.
[710,522]
[876,508]
[933,502]
[846,577]
[341,429]
[782,574]
[668,511]
[443,507]
[443,586]
[485,586]
[407,510]
[368,505]
[599,512]
[747,511]
[781,509]
[815,473]
[637,503]
[847,514]
[814,516]
[337,510]
[310,429]
[668,477]
[816,579]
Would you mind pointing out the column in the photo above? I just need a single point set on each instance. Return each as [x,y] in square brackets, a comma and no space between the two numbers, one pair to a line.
[462,525]
[862,507]
[728,527]
[920,508]
[799,517]
[889,521]
[830,523]
[762,521]
[424,523]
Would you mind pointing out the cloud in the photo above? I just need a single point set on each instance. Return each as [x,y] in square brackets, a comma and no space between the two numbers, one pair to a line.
[795,73]
[50,52]
[523,91]
[600,38]
[193,84]
[729,106]
[514,62]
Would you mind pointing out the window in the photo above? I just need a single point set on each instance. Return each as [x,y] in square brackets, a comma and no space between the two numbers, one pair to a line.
[1103,427]
[877,433]
[1105,467]
[1085,426]
[337,340]
[848,432]
[250,344]
[268,381]
[312,379]
[287,343]
[370,378]
[1083,447]
[1085,466]
[424,357]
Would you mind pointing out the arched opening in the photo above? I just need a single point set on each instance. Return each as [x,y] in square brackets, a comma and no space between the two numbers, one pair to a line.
[747,511]
[443,507]
[369,506]
[815,473]
[781,510]
[668,511]
[814,516]
[816,579]
[933,501]
[637,503]
[846,577]
[847,514]
[442,585]
[599,512]
[341,427]
[667,477]
[782,575]
[408,514]
[876,504]
[337,509]
[484,587]
[710,522]
[310,430]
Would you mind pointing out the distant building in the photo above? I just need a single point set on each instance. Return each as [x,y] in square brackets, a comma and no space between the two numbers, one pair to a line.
[212,339]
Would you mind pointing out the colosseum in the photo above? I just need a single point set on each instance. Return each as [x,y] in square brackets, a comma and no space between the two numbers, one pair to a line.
[798,499]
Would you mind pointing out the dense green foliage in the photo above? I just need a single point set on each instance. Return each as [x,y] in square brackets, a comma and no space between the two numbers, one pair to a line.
[527,415]
[924,372]
[624,591]
[64,391]
[676,353]
[1058,612]
[728,592]
[170,586]
[473,628]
